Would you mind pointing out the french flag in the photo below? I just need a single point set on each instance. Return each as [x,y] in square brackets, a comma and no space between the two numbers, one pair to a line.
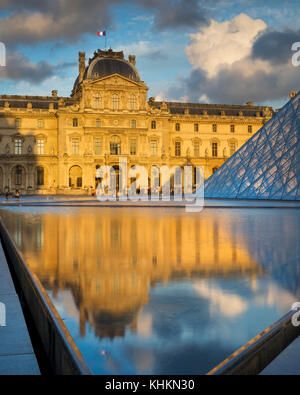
[99,34]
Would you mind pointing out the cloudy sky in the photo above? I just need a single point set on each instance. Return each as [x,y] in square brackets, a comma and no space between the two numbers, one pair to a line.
[215,51]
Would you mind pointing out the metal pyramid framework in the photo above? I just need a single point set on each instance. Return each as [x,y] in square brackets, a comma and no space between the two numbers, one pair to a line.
[268,165]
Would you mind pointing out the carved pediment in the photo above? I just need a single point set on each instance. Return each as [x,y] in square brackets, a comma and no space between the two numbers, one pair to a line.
[115,80]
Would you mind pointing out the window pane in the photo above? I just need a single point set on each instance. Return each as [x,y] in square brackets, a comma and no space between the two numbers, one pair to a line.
[97,102]
[177,149]
[40,175]
[40,147]
[196,148]
[132,102]
[97,146]
[115,102]
[133,147]
[153,148]
[232,147]
[18,175]
[75,146]
[214,149]
[115,146]
[18,146]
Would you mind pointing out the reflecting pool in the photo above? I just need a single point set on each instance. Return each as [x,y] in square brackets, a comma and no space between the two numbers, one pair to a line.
[158,290]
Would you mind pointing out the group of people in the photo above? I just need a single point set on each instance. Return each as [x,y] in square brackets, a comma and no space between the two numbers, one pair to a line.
[16,195]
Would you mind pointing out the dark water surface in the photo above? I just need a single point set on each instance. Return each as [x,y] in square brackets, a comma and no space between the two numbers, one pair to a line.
[162,291]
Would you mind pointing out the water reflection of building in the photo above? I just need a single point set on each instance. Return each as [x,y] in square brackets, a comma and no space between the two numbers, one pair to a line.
[109,259]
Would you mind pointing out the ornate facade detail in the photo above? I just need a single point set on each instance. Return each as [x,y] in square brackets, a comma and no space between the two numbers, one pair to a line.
[88,128]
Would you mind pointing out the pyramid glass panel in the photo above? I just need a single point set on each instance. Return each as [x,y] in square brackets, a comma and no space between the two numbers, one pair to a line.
[268,165]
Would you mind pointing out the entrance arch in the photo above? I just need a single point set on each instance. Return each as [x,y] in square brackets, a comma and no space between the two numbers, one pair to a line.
[75,177]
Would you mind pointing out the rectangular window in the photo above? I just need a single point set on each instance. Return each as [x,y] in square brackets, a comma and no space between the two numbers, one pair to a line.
[196,149]
[18,146]
[133,124]
[177,149]
[214,127]
[249,128]
[98,123]
[75,146]
[40,123]
[177,127]
[132,147]
[153,147]
[215,149]
[75,122]
[18,122]
[97,146]
[232,128]
[196,127]
[40,147]
[232,147]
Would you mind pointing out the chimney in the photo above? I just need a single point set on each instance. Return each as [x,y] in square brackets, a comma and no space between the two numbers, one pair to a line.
[81,65]
[132,59]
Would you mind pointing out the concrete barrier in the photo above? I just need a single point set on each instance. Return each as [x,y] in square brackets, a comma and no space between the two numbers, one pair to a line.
[59,347]
[254,356]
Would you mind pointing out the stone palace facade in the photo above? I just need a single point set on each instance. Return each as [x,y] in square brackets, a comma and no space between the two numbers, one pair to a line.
[54,145]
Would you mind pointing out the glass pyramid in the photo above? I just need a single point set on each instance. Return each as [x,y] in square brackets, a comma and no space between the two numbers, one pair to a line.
[268,165]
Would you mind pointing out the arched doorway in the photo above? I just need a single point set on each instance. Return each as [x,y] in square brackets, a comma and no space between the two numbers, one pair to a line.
[75,177]
[115,176]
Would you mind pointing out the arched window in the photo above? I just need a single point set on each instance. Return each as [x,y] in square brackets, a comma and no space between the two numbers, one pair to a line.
[115,145]
[40,176]
[97,101]
[132,102]
[153,124]
[115,102]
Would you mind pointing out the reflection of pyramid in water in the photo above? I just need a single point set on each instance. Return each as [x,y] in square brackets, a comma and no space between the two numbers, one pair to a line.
[268,165]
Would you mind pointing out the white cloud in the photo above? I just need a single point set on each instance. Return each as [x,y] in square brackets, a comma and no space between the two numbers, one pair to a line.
[229,305]
[223,43]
